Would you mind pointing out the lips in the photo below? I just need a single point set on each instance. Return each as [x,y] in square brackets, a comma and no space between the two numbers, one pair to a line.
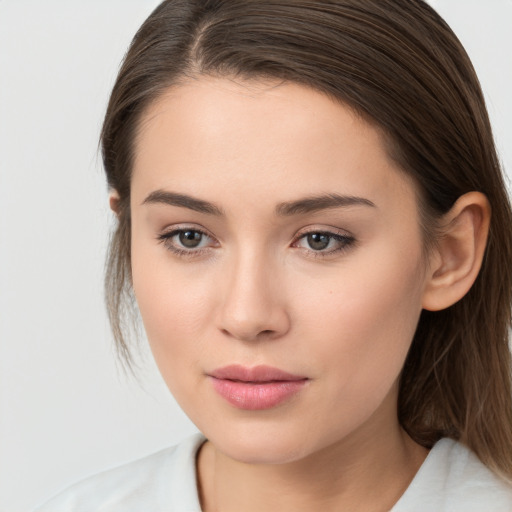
[257,388]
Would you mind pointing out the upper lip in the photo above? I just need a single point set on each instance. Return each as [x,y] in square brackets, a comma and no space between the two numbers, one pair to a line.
[260,373]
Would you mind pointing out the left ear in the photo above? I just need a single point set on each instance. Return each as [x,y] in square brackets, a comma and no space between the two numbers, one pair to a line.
[457,258]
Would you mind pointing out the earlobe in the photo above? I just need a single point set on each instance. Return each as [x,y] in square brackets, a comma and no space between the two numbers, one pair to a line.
[114,200]
[457,258]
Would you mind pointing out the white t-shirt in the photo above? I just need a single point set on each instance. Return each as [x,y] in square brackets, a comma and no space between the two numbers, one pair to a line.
[451,479]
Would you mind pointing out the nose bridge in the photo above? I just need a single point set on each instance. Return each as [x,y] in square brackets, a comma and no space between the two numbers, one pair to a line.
[253,303]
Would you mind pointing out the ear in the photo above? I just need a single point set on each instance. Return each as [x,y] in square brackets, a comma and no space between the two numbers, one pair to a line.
[457,258]
[114,199]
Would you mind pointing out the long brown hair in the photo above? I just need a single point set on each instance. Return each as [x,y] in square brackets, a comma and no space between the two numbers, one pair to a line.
[398,64]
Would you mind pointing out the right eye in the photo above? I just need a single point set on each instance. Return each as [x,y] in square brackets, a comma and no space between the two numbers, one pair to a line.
[186,241]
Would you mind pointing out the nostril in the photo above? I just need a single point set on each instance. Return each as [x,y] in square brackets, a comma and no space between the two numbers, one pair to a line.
[252,335]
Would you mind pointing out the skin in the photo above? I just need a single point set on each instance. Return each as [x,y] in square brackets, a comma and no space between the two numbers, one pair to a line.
[255,292]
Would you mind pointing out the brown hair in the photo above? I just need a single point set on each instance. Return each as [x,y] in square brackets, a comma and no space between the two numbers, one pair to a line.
[397,63]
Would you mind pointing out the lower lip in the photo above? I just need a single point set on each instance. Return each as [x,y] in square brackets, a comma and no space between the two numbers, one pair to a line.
[255,396]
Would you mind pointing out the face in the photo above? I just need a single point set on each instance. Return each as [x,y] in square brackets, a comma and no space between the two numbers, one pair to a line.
[278,266]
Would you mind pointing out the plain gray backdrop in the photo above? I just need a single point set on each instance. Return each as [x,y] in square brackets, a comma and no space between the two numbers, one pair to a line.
[66,408]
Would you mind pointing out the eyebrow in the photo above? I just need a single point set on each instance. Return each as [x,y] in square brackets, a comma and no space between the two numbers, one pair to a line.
[286,209]
[321,202]
[183,200]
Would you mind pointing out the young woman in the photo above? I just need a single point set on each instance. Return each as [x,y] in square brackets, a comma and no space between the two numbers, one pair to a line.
[313,222]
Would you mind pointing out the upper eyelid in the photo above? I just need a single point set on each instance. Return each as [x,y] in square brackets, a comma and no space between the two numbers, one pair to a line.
[330,230]
[170,230]
[303,231]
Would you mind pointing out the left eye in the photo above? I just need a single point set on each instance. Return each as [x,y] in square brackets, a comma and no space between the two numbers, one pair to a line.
[319,241]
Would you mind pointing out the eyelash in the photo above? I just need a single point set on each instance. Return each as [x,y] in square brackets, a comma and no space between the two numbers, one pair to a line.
[166,240]
[344,241]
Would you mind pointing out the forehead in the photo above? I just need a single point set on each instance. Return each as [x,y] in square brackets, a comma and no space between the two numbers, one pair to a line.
[272,139]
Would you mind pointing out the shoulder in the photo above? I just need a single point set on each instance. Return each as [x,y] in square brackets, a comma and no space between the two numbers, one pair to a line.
[452,479]
[163,481]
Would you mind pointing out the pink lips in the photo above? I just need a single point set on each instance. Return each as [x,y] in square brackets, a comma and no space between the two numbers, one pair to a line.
[257,388]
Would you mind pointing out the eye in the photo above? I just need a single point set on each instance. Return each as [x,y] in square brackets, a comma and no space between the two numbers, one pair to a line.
[186,241]
[318,241]
[324,242]
[189,239]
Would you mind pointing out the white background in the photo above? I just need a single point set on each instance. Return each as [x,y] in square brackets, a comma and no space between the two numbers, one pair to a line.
[66,408]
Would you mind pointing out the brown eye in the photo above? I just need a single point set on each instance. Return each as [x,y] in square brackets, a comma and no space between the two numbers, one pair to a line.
[187,241]
[318,241]
[190,239]
[324,243]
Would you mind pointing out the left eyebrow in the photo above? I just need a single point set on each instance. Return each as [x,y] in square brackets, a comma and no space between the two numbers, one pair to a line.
[322,202]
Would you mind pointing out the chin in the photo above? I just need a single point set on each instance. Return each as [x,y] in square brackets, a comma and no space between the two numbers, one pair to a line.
[259,444]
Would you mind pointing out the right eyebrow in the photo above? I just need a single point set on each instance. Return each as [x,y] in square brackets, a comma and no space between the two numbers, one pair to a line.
[184,201]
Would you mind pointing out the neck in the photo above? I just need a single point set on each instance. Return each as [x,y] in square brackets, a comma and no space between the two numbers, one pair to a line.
[368,471]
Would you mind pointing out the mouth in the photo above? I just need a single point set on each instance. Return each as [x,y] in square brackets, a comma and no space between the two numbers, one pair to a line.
[257,388]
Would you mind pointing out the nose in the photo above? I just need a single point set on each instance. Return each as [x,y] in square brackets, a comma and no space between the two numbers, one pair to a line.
[252,306]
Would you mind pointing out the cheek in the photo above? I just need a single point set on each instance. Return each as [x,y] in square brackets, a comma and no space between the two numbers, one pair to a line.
[173,306]
[366,321]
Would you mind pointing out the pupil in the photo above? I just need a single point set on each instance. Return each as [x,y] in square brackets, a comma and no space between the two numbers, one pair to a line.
[318,241]
[190,239]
